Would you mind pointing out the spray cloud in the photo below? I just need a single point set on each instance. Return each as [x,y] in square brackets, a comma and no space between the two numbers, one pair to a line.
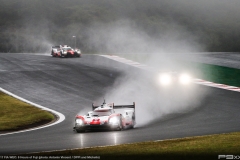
[159,51]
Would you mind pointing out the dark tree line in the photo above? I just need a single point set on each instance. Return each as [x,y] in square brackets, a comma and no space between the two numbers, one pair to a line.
[35,25]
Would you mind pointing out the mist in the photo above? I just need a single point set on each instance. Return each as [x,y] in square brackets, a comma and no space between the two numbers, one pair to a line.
[153,102]
[35,25]
[156,30]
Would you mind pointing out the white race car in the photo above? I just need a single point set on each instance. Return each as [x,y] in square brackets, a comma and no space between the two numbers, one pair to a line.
[106,116]
[65,51]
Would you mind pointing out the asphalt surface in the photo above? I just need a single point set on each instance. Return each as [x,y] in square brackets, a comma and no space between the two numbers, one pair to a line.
[70,85]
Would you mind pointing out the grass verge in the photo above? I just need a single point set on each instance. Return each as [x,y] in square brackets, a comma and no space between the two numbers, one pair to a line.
[203,147]
[16,115]
[214,73]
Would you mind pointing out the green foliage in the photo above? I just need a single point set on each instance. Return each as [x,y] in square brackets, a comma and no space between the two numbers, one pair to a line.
[214,73]
[50,22]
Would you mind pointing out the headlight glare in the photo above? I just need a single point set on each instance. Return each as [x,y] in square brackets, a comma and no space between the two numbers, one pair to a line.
[79,121]
[185,79]
[165,79]
[113,120]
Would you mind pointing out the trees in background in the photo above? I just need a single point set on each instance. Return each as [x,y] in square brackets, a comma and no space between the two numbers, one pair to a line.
[35,25]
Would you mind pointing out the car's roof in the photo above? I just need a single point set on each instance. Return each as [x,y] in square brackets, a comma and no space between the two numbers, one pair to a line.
[104,106]
[102,110]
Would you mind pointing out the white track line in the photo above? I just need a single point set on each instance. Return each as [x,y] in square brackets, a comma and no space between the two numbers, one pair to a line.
[60,116]
[145,67]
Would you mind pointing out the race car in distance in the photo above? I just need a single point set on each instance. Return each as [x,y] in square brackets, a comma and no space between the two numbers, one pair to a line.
[174,78]
[65,51]
[106,116]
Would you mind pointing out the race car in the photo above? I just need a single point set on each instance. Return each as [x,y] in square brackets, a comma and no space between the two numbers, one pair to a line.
[174,78]
[106,116]
[65,51]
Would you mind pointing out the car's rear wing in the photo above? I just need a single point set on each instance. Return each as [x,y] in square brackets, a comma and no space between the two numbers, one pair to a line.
[56,47]
[124,106]
[94,107]
[115,106]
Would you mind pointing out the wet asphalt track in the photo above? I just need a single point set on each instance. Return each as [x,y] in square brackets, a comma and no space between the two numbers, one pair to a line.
[67,85]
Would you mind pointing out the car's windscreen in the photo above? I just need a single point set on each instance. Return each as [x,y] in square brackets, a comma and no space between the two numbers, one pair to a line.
[102,113]
[66,49]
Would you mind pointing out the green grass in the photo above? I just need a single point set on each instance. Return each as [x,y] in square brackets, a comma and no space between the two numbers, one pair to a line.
[15,114]
[207,147]
[214,73]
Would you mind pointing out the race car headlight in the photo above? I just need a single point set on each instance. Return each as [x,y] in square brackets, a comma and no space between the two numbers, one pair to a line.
[64,52]
[184,79]
[165,79]
[113,120]
[79,122]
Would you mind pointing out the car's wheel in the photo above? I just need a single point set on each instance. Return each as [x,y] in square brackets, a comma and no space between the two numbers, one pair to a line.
[120,125]
[132,126]
[80,130]
[53,55]
[133,122]
[76,55]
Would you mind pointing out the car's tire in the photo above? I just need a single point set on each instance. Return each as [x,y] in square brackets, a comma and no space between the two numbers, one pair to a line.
[80,131]
[133,120]
[120,125]
[77,55]
[132,126]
